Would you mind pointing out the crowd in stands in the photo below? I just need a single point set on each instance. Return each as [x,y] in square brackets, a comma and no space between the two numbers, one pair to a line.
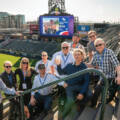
[70,59]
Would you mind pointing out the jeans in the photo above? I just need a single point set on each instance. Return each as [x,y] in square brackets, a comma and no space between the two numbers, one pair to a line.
[45,100]
[71,92]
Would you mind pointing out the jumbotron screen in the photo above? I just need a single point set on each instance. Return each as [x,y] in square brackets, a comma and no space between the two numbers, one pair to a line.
[56,26]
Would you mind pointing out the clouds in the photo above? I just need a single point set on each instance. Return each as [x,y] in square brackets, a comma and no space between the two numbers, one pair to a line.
[87,10]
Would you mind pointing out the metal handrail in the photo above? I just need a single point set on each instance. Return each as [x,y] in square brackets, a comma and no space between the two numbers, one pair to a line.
[89,70]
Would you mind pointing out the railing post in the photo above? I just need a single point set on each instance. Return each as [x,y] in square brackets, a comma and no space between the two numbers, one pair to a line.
[104,95]
[22,107]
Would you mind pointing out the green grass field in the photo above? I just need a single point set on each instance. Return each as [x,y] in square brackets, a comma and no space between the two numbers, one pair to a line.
[4,57]
[15,61]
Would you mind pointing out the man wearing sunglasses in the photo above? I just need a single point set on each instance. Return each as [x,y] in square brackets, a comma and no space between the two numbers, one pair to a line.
[9,79]
[41,97]
[105,60]
[90,46]
[64,55]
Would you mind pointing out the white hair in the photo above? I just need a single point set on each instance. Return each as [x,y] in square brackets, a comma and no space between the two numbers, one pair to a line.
[65,43]
[99,39]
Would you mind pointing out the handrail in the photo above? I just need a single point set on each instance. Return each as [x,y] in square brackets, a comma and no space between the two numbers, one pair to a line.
[89,70]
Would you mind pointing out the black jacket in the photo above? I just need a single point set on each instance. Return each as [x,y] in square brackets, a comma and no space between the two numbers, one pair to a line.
[5,78]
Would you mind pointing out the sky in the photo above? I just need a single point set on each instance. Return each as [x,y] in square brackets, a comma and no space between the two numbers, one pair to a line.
[86,10]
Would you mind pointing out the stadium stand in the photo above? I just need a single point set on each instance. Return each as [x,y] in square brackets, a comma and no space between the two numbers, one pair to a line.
[111,35]
[31,48]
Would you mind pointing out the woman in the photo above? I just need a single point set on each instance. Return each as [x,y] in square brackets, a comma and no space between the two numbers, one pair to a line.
[77,87]
[24,74]
[44,56]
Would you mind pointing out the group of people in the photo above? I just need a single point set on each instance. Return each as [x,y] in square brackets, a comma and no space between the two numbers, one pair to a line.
[70,59]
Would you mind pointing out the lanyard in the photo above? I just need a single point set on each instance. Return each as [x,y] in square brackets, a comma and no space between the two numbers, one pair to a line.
[24,77]
[42,83]
[65,60]
[101,58]
[46,65]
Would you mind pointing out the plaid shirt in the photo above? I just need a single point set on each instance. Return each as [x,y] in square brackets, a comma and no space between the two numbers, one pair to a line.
[107,61]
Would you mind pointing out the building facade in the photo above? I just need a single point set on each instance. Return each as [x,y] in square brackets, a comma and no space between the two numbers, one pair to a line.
[11,21]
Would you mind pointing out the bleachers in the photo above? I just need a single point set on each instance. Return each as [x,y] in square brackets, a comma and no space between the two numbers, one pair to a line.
[111,35]
[32,47]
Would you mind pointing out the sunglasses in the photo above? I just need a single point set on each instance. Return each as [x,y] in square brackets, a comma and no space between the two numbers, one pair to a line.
[24,62]
[64,47]
[91,36]
[98,45]
[8,66]
[44,55]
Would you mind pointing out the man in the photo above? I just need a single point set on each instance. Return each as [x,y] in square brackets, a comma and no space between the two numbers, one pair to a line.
[42,95]
[45,61]
[76,88]
[75,42]
[9,79]
[64,55]
[7,91]
[105,60]
[90,46]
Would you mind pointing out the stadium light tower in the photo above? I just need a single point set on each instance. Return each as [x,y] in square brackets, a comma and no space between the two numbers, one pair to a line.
[56,5]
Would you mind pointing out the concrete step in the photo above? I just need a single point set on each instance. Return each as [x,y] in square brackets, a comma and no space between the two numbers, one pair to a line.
[87,114]
[117,110]
[107,114]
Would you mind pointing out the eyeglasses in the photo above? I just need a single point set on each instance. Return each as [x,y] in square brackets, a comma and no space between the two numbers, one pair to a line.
[98,45]
[78,54]
[91,36]
[64,47]
[44,55]
[24,62]
[8,66]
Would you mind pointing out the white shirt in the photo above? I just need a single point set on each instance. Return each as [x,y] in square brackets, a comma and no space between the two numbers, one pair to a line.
[47,66]
[39,81]
[64,59]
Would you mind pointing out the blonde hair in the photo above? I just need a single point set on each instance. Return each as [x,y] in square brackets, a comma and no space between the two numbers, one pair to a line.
[9,62]
[44,52]
[24,59]
[80,51]
[91,32]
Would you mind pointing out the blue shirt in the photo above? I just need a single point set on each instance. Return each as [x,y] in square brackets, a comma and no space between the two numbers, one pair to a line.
[40,81]
[82,80]
[5,89]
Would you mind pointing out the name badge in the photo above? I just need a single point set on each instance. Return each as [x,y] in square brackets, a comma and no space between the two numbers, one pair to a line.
[24,86]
